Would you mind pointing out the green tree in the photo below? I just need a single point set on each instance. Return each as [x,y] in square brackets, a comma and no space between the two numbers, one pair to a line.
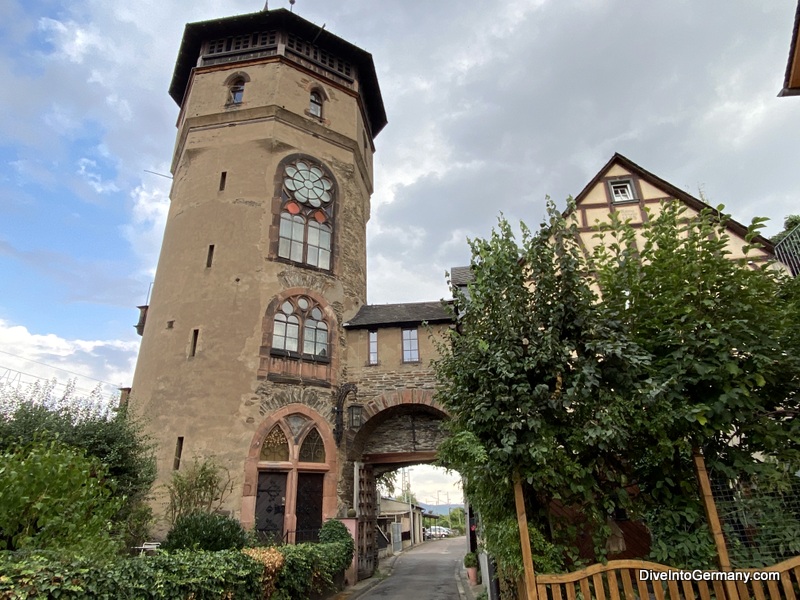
[789,224]
[599,402]
[540,381]
[113,437]
[724,342]
[53,497]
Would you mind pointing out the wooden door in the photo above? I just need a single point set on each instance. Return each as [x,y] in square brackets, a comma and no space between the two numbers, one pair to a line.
[271,506]
[309,506]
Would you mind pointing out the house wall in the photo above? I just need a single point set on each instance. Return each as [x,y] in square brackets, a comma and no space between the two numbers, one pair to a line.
[596,204]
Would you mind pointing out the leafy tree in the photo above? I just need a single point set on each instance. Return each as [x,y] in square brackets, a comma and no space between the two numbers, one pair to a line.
[539,381]
[599,402]
[113,437]
[789,224]
[53,497]
[724,342]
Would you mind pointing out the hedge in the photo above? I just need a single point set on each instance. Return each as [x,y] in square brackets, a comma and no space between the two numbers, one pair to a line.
[284,573]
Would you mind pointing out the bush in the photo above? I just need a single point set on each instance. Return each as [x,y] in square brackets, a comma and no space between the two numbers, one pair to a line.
[115,438]
[201,487]
[272,560]
[198,575]
[471,560]
[335,531]
[312,568]
[203,531]
[54,497]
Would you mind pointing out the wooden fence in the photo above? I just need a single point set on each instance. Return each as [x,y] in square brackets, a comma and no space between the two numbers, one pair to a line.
[620,580]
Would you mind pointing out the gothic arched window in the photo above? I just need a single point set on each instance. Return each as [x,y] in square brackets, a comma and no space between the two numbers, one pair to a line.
[306,233]
[275,447]
[313,449]
[299,329]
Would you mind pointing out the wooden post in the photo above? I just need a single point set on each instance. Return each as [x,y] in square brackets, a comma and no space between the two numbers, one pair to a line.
[524,540]
[723,560]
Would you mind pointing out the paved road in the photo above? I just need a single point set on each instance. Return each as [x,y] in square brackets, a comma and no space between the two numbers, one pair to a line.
[427,572]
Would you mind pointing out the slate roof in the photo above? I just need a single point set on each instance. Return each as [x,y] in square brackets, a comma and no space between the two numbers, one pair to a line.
[397,315]
[461,275]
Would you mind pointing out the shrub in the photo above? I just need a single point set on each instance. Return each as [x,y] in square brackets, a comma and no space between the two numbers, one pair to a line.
[203,531]
[311,568]
[272,560]
[470,560]
[335,531]
[197,575]
[201,487]
[54,497]
[115,438]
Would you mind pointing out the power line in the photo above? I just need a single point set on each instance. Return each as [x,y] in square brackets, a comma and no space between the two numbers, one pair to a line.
[57,368]
[56,383]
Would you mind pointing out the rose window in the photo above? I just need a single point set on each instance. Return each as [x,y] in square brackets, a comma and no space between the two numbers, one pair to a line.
[308,184]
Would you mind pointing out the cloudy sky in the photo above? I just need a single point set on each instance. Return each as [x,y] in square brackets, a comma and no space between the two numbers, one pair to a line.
[491,107]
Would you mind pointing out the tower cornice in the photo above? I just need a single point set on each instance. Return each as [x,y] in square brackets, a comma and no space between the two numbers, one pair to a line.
[194,53]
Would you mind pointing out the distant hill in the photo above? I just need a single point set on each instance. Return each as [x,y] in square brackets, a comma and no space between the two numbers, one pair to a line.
[439,509]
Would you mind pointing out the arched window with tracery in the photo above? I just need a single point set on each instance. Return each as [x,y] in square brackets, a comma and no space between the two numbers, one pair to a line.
[305,232]
[300,330]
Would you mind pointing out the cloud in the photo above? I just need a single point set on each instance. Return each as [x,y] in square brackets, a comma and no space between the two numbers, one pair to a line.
[146,229]
[27,357]
[96,281]
[87,168]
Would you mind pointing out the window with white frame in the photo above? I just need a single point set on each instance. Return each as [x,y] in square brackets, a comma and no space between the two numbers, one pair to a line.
[410,346]
[315,104]
[622,191]
[373,347]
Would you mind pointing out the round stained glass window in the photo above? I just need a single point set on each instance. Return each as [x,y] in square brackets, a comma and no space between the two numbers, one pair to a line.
[308,184]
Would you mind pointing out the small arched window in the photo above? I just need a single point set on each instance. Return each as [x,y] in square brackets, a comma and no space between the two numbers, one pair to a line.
[305,234]
[315,104]
[299,330]
[236,91]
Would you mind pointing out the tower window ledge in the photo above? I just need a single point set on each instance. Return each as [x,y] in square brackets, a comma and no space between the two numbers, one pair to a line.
[277,352]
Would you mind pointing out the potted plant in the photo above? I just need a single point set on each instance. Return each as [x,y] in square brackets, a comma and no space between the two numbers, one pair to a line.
[471,564]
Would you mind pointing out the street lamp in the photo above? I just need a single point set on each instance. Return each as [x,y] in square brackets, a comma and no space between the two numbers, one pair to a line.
[355,413]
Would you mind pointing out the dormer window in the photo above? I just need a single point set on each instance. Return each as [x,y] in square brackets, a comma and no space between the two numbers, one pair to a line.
[315,104]
[621,191]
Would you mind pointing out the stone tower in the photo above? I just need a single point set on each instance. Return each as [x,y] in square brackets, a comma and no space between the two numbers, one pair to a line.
[264,259]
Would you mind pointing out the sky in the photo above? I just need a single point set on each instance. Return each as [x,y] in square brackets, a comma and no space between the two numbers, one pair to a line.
[492,107]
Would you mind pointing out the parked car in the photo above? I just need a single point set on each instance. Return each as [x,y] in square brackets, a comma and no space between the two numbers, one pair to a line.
[440,532]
